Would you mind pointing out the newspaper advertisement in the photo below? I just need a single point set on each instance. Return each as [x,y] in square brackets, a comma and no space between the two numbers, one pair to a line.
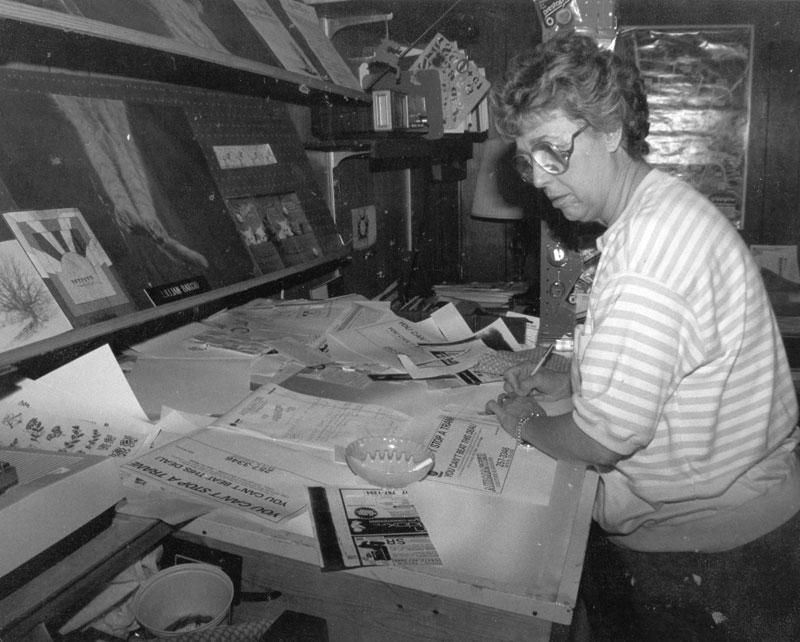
[369,527]
[471,453]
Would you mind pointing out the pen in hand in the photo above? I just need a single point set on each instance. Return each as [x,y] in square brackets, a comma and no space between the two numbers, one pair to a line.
[542,361]
[516,381]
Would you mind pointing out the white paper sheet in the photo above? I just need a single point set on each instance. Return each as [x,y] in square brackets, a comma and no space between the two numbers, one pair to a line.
[380,343]
[451,323]
[94,380]
[202,387]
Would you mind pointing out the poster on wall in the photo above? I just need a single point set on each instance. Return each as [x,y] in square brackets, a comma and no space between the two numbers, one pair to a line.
[28,312]
[698,82]
[123,176]
[275,230]
[66,253]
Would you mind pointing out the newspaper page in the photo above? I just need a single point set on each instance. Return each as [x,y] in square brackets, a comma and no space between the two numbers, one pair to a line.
[254,328]
[369,527]
[380,343]
[227,470]
[280,414]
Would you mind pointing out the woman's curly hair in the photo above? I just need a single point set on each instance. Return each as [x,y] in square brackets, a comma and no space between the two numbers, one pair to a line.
[571,73]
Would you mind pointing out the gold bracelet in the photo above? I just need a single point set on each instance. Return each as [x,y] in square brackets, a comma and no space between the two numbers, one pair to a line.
[521,423]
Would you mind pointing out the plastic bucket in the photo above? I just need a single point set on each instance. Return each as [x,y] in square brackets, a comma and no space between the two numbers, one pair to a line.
[183,598]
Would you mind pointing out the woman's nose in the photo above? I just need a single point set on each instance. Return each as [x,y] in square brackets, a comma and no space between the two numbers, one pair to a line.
[539,177]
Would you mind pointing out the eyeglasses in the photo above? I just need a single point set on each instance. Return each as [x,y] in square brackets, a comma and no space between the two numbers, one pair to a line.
[545,155]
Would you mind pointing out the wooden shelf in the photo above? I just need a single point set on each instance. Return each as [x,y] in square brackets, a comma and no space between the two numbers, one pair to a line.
[191,102]
[53,39]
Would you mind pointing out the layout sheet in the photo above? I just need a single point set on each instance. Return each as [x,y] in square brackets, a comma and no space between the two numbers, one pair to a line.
[252,328]
[369,527]
[280,414]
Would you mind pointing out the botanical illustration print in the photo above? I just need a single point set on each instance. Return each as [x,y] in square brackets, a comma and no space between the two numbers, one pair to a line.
[28,312]
[23,427]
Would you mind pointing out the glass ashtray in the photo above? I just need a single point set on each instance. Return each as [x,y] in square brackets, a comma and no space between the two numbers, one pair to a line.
[389,462]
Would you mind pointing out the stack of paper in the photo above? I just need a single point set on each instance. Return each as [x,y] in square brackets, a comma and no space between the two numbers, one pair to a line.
[487,295]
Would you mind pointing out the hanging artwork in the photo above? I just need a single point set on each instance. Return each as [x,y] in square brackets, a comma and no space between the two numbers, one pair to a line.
[68,256]
[698,88]
[365,230]
[28,312]
[275,230]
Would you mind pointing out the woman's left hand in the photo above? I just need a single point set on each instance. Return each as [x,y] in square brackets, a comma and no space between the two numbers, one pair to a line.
[510,408]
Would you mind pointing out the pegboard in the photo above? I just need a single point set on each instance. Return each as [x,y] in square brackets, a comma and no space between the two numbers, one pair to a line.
[165,177]
[560,267]
[568,257]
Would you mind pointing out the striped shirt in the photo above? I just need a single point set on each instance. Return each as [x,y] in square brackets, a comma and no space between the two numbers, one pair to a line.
[680,368]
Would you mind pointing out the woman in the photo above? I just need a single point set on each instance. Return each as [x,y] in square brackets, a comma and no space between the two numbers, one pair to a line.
[683,398]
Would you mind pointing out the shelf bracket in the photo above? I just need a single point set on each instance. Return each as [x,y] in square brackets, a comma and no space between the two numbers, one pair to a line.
[324,162]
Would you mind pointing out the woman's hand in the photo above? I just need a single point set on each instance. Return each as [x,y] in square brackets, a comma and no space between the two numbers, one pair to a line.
[545,385]
[510,408]
[558,436]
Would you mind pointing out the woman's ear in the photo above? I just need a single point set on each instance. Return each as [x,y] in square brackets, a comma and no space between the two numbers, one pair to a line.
[613,139]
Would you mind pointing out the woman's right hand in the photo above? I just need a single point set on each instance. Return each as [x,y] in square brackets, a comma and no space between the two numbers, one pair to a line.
[545,385]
